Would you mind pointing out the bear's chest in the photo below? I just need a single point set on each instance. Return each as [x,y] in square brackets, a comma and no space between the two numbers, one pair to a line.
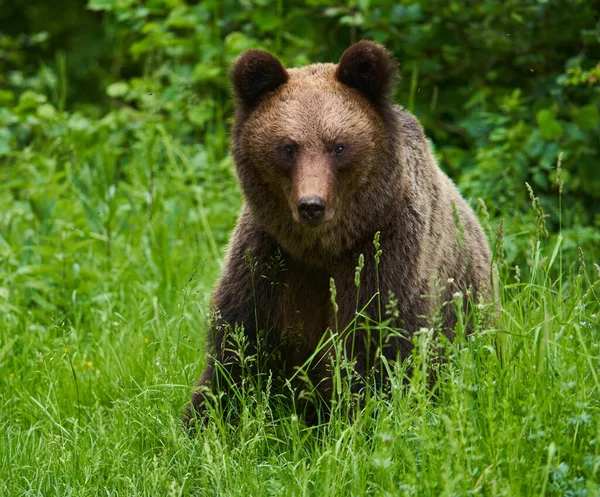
[306,310]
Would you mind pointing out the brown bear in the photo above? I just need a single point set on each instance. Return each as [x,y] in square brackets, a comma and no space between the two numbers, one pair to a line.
[325,161]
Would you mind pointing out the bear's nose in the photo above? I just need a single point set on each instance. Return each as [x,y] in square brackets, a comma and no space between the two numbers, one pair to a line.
[311,209]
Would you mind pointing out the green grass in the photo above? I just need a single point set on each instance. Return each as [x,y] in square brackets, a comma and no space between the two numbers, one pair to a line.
[106,268]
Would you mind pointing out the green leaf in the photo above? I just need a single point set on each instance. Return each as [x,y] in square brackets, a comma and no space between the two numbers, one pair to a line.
[117,90]
[266,20]
[5,138]
[353,20]
[550,128]
[201,113]
[46,111]
[6,97]
[101,5]
[206,72]
[79,123]
[586,117]
[236,43]
[30,100]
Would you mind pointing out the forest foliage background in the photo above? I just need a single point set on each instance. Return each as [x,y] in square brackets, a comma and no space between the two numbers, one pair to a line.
[501,87]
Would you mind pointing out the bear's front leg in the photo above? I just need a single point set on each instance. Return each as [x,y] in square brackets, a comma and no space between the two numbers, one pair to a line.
[245,316]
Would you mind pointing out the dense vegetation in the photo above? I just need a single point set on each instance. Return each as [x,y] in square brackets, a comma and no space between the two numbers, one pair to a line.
[117,195]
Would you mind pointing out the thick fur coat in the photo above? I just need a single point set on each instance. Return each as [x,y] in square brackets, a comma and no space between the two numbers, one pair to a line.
[325,160]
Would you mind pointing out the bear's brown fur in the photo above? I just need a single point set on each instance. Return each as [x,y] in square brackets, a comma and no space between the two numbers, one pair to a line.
[325,160]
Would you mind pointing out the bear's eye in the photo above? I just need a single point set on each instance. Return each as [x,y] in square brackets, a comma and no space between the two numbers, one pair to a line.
[338,150]
[288,150]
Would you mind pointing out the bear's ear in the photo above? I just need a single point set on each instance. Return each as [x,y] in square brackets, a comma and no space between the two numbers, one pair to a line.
[369,68]
[255,73]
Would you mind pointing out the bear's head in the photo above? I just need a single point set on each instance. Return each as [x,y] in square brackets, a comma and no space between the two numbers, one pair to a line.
[316,148]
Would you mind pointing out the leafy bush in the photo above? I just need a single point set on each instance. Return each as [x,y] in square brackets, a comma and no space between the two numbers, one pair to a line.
[501,88]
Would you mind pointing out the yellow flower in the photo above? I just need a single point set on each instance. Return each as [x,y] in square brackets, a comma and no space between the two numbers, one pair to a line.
[145,340]
[12,374]
[89,363]
[67,349]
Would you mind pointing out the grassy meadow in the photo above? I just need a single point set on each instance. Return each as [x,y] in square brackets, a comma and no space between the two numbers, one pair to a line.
[106,274]
[117,198]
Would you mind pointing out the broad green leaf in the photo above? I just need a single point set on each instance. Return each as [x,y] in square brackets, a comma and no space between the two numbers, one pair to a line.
[237,42]
[101,5]
[6,97]
[46,111]
[586,117]
[201,113]
[30,99]
[353,20]
[550,128]
[206,72]
[5,138]
[266,20]
[117,90]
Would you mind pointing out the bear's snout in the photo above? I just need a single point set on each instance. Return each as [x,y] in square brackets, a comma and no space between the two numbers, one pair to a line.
[311,210]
